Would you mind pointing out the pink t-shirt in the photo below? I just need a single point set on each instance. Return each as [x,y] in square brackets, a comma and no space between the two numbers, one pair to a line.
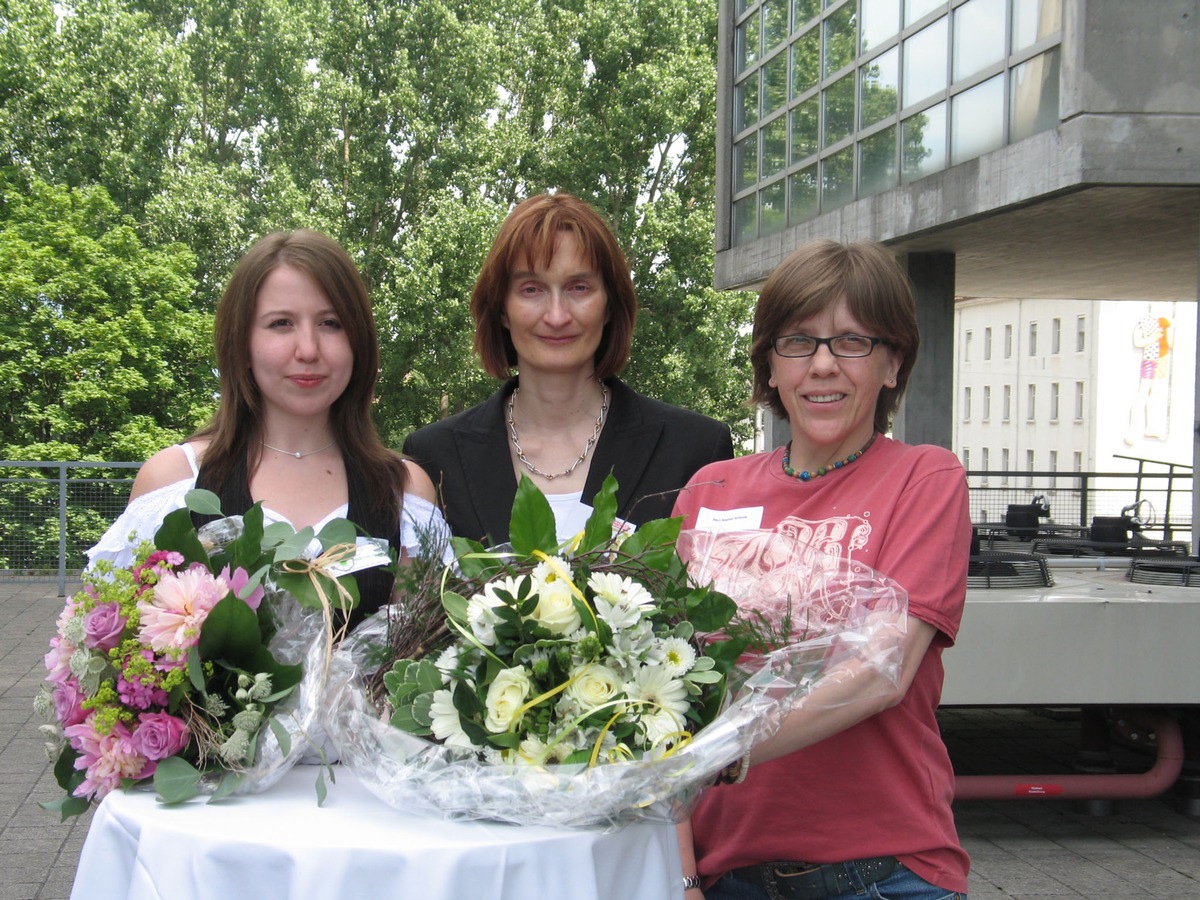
[884,786]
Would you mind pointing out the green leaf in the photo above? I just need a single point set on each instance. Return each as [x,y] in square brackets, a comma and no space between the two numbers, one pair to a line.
[284,677]
[507,741]
[455,606]
[227,785]
[195,668]
[282,735]
[206,503]
[176,780]
[710,610]
[654,542]
[66,807]
[294,545]
[230,632]
[404,719]
[422,710]
[178,533]
[322,790]
[247,551]
[338,531]
[472,557]
[532,524]
[598,531]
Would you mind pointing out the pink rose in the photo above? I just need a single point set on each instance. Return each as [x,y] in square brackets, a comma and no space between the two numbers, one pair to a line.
[237,580]
[68,702]
[103,626]
[160,735]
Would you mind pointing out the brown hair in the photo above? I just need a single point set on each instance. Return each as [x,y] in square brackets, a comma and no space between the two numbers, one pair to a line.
[527,239]
[815,277]
[235,432]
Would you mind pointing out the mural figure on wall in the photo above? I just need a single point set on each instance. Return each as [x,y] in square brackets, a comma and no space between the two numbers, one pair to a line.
[1153,335]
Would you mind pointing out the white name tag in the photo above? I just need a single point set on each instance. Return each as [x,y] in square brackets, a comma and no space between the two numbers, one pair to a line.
[371,552]
[720,520]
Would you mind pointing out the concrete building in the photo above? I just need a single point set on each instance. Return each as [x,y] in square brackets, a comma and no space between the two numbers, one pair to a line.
[1028,149]
[1072,385]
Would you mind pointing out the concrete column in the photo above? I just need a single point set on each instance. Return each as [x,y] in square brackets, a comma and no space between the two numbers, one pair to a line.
[925,415]
[1196,438]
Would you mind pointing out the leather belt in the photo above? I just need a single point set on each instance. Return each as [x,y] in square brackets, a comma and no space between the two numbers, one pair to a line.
[813,881]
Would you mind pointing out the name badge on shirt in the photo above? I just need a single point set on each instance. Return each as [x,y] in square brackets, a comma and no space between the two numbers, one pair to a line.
[371,552]
[720,520]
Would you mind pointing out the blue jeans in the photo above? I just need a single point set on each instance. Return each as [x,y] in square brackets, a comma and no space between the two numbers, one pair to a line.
[900,885]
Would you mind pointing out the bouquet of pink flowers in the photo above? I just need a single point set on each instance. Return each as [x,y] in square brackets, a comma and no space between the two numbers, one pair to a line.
[177,666]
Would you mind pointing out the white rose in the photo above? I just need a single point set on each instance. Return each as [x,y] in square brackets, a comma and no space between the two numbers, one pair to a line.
[555,609]
[594,685]
[505,697]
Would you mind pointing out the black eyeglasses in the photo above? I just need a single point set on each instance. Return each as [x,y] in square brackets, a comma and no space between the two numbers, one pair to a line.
[847,346]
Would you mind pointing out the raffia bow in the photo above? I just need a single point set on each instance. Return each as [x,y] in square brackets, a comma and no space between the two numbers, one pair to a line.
[322,566]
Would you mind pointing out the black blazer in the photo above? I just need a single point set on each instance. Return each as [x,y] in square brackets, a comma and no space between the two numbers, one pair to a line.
[652,448]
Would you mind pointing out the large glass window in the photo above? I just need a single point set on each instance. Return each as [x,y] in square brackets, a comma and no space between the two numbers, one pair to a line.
[804,129]
[746,43]
[877,162]
[924,137]
[978,36]
[1034,96]
[977,118]
[773,208]
[775,23]
[879,88]
[806,62]
[880,21]
[840,39]
[837,181]
[1033,20]
[839,110]
[849,98]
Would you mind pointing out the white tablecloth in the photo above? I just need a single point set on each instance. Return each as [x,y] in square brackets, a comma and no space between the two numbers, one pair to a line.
[280,844]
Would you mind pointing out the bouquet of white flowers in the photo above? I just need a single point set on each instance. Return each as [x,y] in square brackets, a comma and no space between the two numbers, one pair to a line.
[580,685]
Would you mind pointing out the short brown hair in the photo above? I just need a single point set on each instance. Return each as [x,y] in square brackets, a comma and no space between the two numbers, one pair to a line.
[527,238]
[820,274]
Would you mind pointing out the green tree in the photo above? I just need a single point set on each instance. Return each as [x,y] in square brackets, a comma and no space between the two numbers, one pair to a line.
[102,355]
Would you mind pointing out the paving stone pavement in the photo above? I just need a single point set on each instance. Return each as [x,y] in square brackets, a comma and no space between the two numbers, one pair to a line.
[1020,849]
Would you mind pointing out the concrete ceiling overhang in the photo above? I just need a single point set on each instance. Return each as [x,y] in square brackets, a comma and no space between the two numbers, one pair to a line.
[1119,242]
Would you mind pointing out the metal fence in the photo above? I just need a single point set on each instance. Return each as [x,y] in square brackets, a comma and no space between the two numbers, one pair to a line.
[51,512]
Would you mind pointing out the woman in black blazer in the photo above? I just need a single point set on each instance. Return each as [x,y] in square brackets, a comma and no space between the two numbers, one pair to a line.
[555,301]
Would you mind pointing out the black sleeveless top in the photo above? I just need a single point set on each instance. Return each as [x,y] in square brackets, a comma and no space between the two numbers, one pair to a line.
[374,585]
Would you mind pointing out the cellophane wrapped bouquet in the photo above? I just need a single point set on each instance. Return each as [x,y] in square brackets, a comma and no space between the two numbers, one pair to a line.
[201,665]
[591,684]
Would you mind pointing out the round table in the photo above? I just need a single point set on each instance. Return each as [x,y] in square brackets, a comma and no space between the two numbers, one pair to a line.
[281,844]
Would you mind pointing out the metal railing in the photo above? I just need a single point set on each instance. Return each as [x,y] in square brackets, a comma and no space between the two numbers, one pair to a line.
[52,512]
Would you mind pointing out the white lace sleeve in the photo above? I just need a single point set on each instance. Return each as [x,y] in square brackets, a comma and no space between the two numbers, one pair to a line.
[423,526]
[138,523]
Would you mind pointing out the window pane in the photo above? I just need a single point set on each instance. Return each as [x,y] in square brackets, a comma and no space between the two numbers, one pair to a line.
[745,162]
[839,109]
[977,120]
[978,36]
[877,163]
[774,76]
[745,103]
[804,129]
[775,20]
[804,11]
[774,212]
[924,138]
[837,182]
[925,62]
[914,9]
[840,39]
[880,20]
[1034,20]
[1034,96]
[803,187]
[806,62]
[879,86]
[746,43]
[745,219]
[774,148]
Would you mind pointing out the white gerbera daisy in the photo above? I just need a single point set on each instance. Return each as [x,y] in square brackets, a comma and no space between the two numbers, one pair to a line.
[446,725]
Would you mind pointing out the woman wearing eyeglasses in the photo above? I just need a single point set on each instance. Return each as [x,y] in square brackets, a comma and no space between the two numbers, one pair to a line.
[853,800]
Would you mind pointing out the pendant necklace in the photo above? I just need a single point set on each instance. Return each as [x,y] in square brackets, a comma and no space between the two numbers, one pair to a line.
[298,455]
[806,475]
[587,448]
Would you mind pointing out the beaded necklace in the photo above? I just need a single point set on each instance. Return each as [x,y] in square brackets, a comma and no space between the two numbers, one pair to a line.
[823,470]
